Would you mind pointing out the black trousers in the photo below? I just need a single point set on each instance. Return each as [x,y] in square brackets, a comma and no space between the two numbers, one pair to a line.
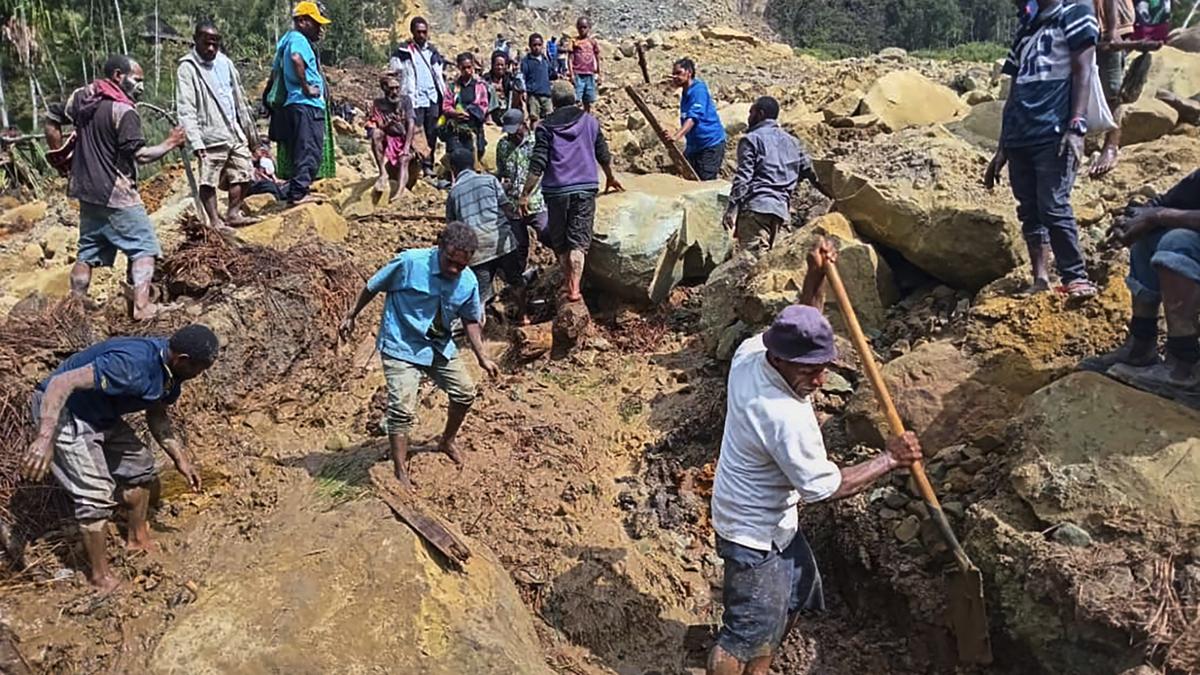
[306,138]
[427,118]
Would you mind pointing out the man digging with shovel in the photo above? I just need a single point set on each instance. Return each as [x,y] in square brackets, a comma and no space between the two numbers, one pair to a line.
[772,458]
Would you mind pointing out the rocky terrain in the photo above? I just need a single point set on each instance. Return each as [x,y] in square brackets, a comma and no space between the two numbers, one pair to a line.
[585,494]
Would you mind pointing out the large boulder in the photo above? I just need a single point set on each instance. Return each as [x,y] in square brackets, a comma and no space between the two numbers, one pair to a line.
[23,217]
[1146,119]
[919,192]
[744,294]
[943,395]
[906,98]
[981,126]
[349,590]
[1173,70]
[727,34]
[660,231]
[1094,449]
[298,225]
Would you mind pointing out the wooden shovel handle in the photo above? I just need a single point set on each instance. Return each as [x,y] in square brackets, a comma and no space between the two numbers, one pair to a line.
[876,377]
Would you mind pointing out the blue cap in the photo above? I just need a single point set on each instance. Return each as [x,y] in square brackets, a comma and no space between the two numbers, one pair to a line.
[800,334]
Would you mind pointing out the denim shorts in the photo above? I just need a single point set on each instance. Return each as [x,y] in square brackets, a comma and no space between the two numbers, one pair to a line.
[103,231]
[585,88]
[1176,250]
[763,591]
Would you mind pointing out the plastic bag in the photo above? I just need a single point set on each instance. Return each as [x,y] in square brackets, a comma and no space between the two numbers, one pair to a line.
[1099,117]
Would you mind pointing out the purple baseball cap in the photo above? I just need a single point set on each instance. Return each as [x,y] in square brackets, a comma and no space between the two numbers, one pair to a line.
[800,334]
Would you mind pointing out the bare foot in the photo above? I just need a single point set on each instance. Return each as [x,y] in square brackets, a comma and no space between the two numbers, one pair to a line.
[403,479]
[105,584]
[381,185]
[396,196]
[146,313]
[307,199]
[451,451]
[241,221]
[141,544]
[1107,161]
[1038,286]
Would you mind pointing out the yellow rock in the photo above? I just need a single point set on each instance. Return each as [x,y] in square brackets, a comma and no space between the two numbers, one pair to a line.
[906,98]
[54,282]
[727,34]
[1173,70]
[24,216]
[31,254]
[1146,119]
[59,241]
[298,225]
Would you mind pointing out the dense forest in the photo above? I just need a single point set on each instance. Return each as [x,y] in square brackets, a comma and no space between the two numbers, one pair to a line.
[48,47]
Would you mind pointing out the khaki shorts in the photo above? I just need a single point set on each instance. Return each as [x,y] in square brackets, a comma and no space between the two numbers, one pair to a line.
[89,463]
[404,386]
[226,165]
[539,106]
[756,232]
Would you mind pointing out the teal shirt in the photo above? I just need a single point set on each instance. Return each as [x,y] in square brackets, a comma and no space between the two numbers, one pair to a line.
[421,306]
[294,42]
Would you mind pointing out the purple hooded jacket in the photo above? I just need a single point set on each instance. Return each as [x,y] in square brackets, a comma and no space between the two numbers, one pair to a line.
[567,146]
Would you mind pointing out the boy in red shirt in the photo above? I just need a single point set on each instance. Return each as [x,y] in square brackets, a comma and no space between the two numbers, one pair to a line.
[583,66]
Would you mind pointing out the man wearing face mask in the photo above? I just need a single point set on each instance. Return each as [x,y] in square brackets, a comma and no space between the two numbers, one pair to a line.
[772,459]
[109,146]
[219,126]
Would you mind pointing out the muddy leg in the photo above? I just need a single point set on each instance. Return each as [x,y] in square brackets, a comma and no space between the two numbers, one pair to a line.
[136,498]
[759,666]
[141,272]
[398,443]
[208,198]
[721,662]
[81,278]
[575,268]
[455,415]
[95,544]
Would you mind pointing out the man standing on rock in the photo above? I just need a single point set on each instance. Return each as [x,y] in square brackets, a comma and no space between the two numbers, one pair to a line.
[537,70]
[699,122]
[93,453]
[772,458]
[770,163]
[479,200]
[420,66]
[1164,269]
[1042,134]
[427,290]
[109,146]
[567,147]
[583,64]
[304,108]
[219,124]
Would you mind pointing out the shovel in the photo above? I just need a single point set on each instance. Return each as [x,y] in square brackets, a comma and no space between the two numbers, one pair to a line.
[965,613]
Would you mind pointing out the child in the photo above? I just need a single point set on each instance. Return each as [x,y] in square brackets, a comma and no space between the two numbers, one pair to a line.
[583,66]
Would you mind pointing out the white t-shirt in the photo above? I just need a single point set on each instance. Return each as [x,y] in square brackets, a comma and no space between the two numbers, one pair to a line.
[772,455]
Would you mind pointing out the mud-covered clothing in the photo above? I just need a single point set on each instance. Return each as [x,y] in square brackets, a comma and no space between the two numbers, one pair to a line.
[403,380]
[89,462]
[568,145]
[756,232]
[421,306]
[772,456]
[762,591]
[103,231]
[130,375]
[1039,105]
[770,162]
[108,136]
[391,118]
[1177,250]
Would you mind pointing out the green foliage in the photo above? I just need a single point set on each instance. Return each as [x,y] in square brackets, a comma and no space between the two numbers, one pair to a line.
[970,51]
[841,28]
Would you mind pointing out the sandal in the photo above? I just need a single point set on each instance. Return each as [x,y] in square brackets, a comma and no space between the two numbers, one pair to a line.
[1080,288]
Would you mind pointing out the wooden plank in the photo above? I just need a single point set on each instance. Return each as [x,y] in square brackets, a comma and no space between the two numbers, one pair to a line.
[406,507]
[681,164]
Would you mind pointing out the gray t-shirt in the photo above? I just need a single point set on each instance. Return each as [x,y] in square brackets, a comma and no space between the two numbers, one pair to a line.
[477,199]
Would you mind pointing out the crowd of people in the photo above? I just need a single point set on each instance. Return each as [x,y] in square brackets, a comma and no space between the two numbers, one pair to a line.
[544,187]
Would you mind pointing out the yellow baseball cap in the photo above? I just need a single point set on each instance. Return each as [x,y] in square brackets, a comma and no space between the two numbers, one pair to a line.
[310,10]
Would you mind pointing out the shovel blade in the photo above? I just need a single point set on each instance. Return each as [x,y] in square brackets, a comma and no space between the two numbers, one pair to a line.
[967,616]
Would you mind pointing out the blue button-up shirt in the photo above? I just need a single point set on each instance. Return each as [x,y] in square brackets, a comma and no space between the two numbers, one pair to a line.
[696,104]
[131,375]
[421,306]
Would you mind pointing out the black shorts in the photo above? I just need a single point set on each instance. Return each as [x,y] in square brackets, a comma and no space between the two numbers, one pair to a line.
[510,267]
[570,220]
[707,162]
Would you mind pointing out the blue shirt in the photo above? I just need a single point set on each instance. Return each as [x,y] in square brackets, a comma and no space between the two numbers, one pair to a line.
[697,104]
[536,71]
[131,375]
[421,306]
[1039,104]
[294,42]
